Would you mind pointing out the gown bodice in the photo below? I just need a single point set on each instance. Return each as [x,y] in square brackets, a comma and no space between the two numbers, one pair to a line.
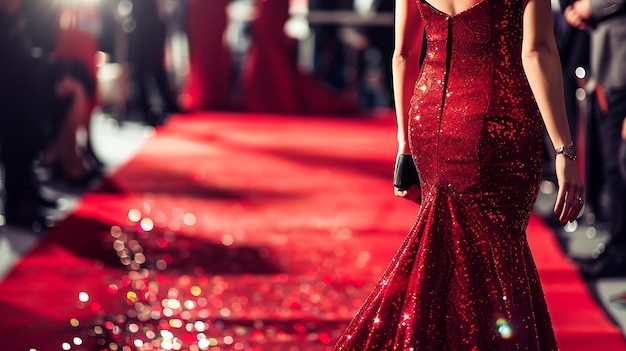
[474,125]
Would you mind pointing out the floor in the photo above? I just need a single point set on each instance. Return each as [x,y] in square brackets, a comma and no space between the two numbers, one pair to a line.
[115,142]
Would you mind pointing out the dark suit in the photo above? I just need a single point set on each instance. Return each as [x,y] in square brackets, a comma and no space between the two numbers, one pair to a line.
[146,53]
[608,43]
[608,76]
[20,134]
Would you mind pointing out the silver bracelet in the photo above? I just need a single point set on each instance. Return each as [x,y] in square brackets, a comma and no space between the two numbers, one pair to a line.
[568,151]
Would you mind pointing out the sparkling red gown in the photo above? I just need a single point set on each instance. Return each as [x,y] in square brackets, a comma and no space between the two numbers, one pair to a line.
[464,278]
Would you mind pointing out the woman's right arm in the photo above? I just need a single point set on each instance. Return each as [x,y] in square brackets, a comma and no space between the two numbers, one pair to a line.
[542,65]
[405,68]
[405,64]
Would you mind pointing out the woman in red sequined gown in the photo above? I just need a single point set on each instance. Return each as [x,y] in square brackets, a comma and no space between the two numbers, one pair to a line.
[464,278]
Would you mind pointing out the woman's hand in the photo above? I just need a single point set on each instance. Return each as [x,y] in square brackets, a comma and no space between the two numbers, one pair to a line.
[414,193]
[405,176]
[570,198]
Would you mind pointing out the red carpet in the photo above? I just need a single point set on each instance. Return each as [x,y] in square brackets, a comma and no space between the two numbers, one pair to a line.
[231,232]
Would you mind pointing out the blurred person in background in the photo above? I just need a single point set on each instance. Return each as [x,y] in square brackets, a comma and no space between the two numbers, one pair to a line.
[21,132]
[619,299]
[70,88]
[622,152]
[376,62]
[332,61]
[70,100]
[48,94]
[573,45]
[154,97]
[606,21]
[210,81]
[355,58]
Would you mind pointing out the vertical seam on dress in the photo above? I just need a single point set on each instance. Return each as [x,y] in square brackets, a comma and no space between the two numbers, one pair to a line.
[488,105]
[444,91]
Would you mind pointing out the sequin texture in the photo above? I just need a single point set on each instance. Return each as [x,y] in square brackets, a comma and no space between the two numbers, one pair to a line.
[464,278]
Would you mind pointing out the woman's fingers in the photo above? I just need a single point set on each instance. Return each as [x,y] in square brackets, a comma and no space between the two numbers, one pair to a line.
[414,193]
[568,208]
[569,213]
[572,213]
[569,205]
[560,200]
[399,193]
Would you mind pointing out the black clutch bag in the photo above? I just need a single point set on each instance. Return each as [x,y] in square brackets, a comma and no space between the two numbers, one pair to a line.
[405,174]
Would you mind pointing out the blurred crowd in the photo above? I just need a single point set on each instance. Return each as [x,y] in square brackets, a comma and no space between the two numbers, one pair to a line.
[591,36]
[46,97]
[62,60]
[51,53]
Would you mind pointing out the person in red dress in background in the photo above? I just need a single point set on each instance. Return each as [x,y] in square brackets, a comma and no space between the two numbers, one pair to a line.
[271,79]
[268,79]
[464,278]
[210,84]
